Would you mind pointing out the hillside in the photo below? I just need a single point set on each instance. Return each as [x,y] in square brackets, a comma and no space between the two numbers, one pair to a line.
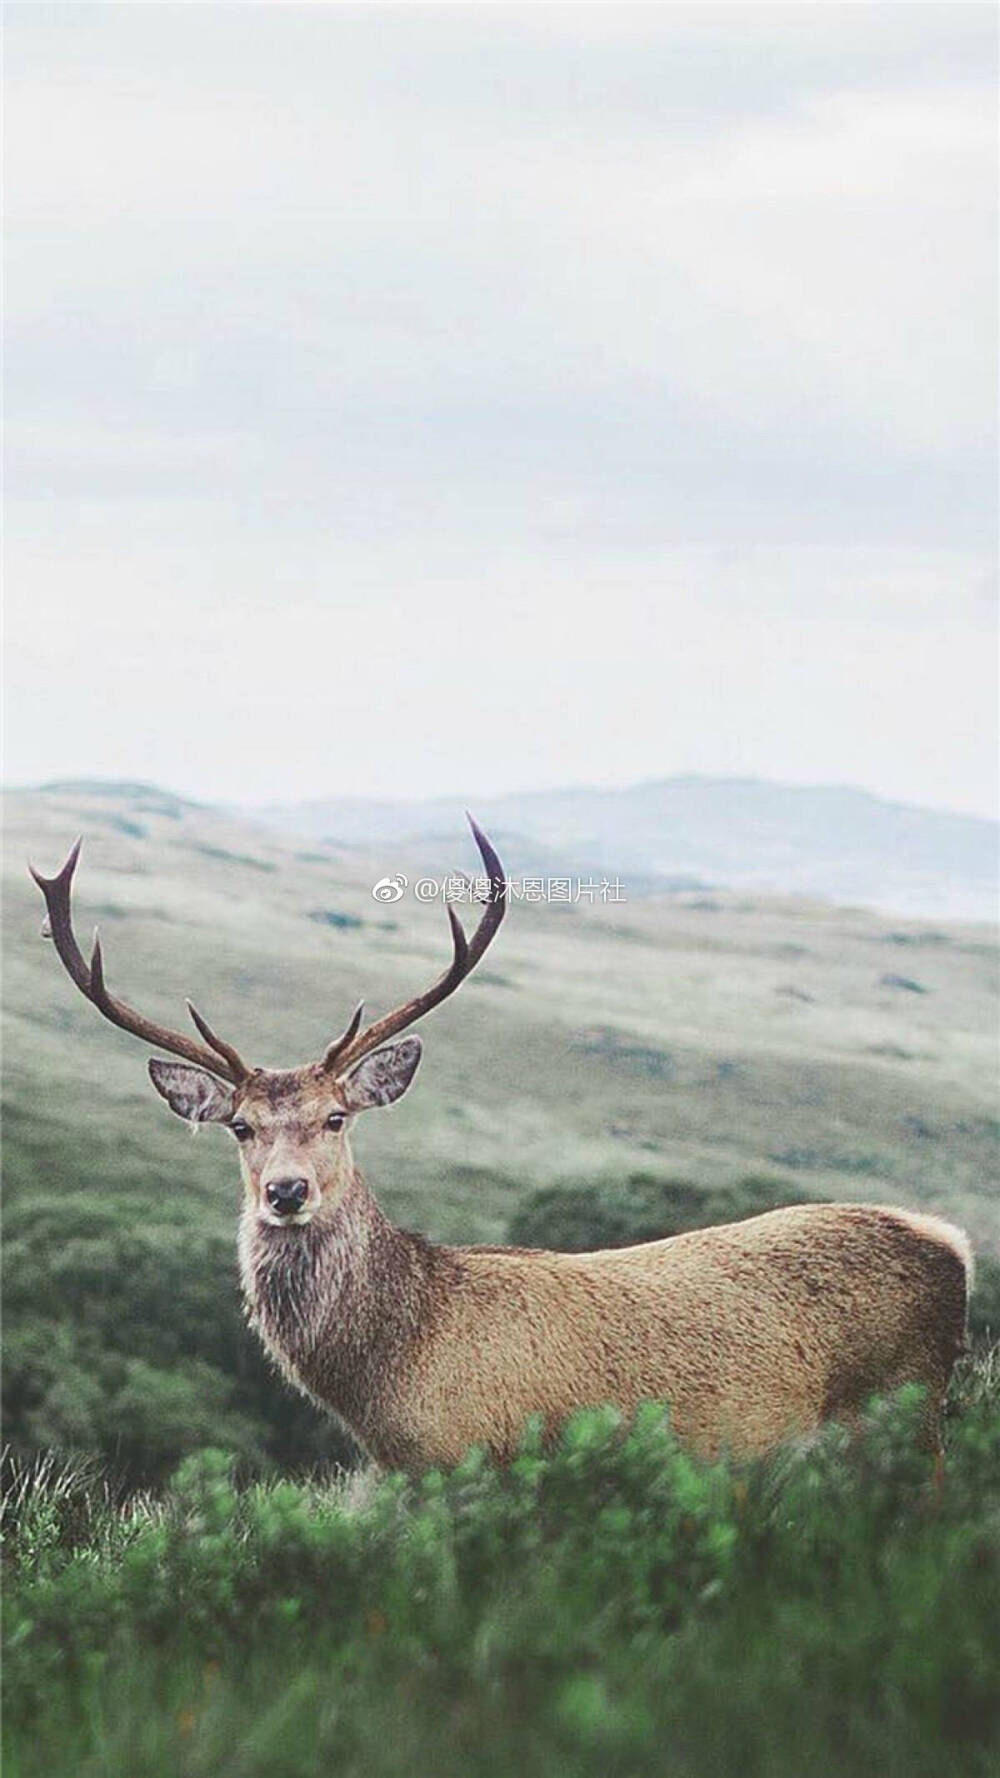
[702,1037]
[832,842]
[712,1034]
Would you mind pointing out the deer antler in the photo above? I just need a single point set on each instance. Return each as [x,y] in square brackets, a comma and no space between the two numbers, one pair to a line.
[354,1043]
[220,1058]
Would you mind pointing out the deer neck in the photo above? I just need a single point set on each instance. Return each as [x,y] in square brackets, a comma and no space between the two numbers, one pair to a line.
[341,1304]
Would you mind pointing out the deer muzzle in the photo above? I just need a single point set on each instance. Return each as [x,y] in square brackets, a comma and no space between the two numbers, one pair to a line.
[287,1197]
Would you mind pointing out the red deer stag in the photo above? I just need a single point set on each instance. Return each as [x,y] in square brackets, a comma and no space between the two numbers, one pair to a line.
[749,1332]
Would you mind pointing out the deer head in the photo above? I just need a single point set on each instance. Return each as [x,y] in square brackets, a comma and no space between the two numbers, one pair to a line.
[290,1124]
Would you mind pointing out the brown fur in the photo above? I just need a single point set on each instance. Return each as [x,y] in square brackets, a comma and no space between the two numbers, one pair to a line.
[750,1332]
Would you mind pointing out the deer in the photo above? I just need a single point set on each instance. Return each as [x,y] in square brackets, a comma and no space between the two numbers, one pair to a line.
[749,1333]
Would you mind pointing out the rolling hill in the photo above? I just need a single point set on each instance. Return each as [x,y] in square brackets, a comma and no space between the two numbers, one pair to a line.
[704,1035]
[831,842]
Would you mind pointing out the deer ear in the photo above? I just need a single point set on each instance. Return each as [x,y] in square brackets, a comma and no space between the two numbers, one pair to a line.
[191,1092]
[383,1076]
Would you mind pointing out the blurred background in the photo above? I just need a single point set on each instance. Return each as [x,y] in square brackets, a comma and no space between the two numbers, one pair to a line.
[582,413]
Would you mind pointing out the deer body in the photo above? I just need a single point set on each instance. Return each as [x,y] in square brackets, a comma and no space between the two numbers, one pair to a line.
[748,1332]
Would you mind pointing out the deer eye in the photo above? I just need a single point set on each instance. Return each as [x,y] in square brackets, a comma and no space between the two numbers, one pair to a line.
[335,1121]
[241,1130]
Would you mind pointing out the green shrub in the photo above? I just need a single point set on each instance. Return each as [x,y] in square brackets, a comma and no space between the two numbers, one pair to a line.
[833,1610]
[125,1339]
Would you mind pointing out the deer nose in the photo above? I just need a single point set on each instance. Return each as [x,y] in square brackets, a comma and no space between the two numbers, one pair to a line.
[287,1195]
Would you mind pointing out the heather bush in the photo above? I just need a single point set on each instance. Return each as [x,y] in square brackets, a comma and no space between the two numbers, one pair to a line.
[606,1606]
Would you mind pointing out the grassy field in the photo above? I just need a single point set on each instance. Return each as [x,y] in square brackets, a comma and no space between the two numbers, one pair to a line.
[704,1035]
[612,1608]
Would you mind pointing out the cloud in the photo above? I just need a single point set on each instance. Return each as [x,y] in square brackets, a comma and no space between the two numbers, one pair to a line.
[344,308]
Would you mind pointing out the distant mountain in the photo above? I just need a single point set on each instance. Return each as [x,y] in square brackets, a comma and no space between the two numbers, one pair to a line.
[830,842]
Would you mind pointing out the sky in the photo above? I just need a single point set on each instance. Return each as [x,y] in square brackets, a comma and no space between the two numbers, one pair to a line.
[406,400]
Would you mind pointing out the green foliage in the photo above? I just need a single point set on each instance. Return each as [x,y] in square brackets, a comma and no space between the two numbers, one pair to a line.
[125,1339]
[834,1610]
[643,1207]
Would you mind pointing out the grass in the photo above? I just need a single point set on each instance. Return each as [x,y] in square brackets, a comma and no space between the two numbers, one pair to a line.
[597,1038]
[608,1608]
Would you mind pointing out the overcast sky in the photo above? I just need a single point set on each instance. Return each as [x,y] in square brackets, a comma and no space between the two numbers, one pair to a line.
[407,400]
